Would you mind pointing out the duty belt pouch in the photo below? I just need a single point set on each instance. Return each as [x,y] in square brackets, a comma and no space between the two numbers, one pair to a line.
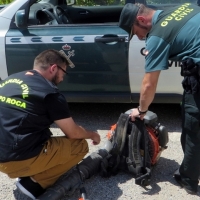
[190,71]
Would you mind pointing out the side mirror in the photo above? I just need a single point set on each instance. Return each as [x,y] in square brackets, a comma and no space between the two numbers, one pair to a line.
[20,19]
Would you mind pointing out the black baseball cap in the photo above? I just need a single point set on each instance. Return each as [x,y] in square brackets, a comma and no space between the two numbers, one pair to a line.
[127,17]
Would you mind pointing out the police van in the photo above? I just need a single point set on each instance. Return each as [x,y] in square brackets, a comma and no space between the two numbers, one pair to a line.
[107,67]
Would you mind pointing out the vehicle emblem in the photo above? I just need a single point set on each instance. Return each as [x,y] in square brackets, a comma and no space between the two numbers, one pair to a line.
[70,53]
[66,47]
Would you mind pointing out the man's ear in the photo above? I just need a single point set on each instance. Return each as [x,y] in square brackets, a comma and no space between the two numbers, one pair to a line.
[141,19]
[52,68]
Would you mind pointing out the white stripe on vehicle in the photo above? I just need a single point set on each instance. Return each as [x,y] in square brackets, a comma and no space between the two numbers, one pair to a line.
[51,39]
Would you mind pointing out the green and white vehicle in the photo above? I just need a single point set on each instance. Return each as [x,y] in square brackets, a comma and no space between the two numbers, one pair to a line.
[107,67]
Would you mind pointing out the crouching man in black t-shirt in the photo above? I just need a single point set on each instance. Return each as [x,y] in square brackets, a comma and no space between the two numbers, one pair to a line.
[29,103]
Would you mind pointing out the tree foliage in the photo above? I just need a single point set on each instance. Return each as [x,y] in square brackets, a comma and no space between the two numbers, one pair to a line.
[5,1]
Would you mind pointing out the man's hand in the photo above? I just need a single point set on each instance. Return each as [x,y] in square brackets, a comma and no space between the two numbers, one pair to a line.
[147,94]
[135,113]
[74,131]
[95,138]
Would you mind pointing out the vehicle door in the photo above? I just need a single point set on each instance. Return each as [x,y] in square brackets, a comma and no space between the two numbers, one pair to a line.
[93,42]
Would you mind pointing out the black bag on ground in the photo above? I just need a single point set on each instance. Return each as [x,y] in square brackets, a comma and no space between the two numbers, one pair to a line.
[136,147]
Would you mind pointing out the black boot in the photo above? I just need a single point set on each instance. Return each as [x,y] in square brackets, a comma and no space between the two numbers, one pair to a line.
[87,168]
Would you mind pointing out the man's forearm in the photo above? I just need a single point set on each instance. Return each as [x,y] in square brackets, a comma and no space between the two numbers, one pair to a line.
[146,98]
[148,90]
[80,133]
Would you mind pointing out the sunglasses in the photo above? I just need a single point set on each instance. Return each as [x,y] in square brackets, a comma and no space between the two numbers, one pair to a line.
[62,69]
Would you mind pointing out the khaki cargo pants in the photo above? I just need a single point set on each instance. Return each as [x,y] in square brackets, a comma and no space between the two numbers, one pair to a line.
[58,156]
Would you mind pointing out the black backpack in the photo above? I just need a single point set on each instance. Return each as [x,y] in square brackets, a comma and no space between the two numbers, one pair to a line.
[134,147]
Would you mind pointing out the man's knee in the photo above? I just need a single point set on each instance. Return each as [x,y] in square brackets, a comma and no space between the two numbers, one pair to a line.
[85,146]
[79,146]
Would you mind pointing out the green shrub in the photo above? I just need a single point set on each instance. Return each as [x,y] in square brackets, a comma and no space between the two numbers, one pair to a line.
[5,1]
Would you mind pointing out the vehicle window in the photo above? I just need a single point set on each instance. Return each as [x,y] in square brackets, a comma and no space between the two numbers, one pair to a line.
[170,1]
[96,2]
[122,2]
[86,11]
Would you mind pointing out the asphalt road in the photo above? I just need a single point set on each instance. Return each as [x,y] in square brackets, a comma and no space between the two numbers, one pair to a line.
[100,117]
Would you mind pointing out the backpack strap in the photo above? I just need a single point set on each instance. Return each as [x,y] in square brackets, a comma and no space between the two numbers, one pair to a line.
[118,142]
[120,134]
[137,165]
[134,159]
[110,164]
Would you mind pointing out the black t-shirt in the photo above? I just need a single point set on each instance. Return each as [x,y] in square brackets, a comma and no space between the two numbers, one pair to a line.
[57,106]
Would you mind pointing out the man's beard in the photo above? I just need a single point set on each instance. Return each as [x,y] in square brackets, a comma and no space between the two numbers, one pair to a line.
[55,80]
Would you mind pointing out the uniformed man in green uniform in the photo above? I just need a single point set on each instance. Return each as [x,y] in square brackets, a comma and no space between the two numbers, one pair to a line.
[174,35]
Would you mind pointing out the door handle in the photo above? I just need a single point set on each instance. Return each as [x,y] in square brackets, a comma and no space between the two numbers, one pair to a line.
[110,38]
